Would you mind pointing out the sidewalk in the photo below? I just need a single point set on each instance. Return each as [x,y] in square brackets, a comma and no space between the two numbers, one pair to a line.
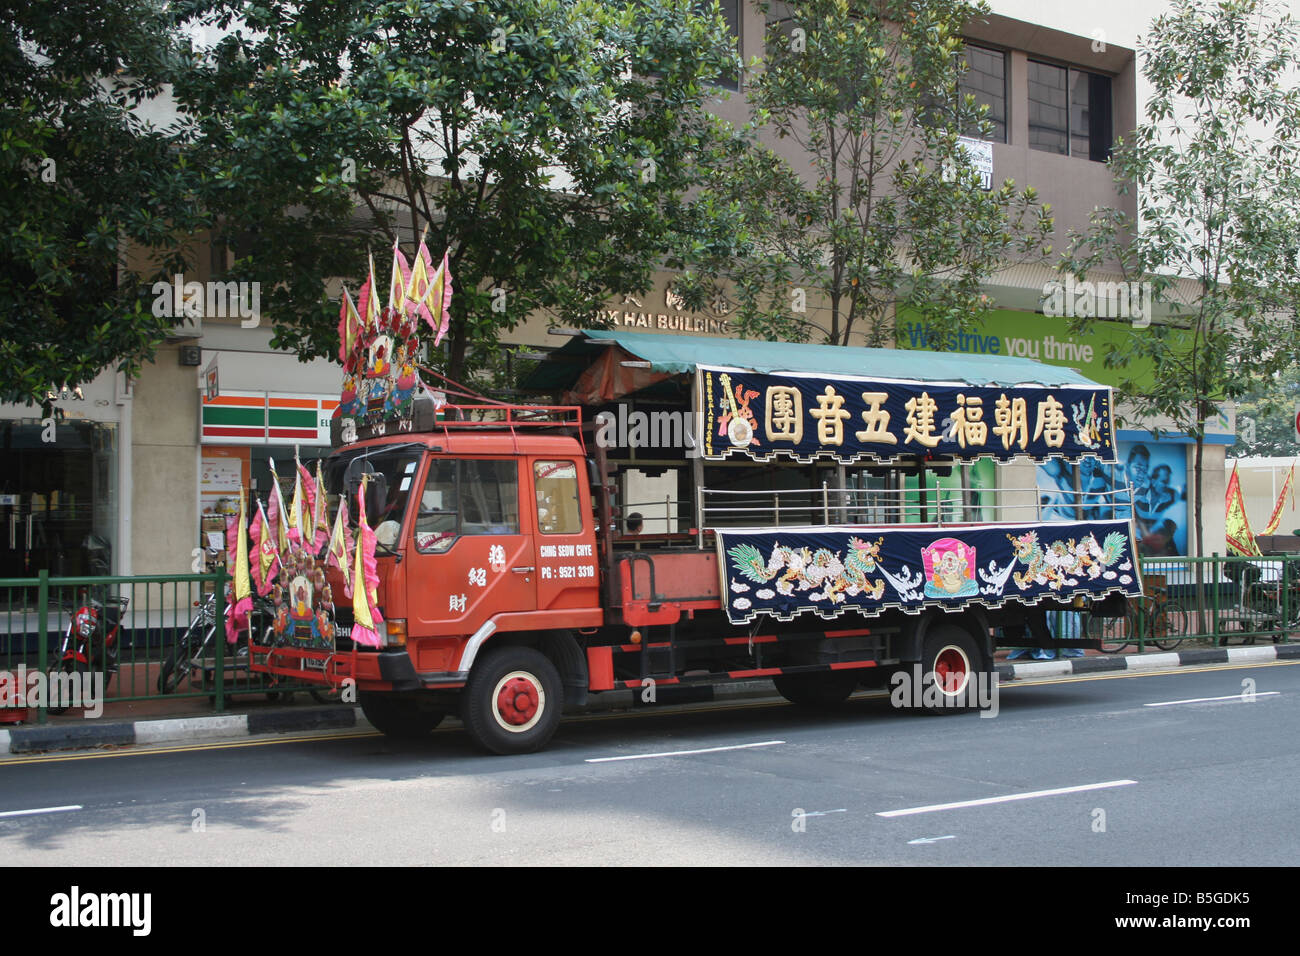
[190,719]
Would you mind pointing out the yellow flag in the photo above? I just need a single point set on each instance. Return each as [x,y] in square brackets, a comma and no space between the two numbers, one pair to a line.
[1287,488]
[1236,525]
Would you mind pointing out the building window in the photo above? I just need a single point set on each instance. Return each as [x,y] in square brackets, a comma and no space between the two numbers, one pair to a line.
[1069,112]
[986,79]
[731,13]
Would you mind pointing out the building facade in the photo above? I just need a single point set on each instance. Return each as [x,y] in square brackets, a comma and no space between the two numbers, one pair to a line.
[137,477]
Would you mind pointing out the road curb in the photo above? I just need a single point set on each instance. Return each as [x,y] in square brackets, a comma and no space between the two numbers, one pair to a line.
[1146,662]
[97,733]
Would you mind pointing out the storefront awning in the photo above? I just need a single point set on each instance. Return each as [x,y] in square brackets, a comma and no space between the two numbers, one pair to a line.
[670,355]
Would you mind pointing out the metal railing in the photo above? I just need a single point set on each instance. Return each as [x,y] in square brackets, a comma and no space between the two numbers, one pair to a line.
[855,506]
[141,629]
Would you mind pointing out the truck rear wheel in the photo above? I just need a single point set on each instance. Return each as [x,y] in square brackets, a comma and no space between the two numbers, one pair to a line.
[512,701]
[951,663]
[404,718]
[820,691]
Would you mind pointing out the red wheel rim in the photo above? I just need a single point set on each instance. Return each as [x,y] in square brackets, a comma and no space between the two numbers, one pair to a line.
[951,670]
[518,700]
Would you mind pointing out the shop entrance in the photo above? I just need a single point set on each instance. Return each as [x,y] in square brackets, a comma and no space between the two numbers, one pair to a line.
[58,498]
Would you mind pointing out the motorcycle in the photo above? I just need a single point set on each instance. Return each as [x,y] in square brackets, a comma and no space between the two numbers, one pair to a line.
[90,642]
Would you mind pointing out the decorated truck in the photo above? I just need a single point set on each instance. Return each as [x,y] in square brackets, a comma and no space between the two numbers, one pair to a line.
[692,511]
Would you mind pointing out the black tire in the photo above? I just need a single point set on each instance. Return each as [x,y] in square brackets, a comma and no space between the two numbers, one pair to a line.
[332,695]
[950,662]
[818,691]
[503,719]
[72,666]
[403,718]
[1173,622]
[1114,634]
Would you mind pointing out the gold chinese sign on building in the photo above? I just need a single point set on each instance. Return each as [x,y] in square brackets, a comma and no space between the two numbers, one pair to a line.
[848,419]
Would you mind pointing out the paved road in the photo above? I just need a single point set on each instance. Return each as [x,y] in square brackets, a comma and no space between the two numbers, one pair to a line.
[1208,782]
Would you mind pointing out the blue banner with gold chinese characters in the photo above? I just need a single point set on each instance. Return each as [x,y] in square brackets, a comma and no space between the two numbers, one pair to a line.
[808,416]
[830,570]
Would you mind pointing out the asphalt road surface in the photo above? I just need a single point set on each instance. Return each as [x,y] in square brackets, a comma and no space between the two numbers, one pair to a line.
[1196,766]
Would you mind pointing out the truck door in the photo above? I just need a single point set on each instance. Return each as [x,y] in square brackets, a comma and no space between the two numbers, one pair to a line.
[470,557]
[566,552]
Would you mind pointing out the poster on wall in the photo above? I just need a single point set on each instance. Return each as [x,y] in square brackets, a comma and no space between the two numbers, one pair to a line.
[1087,490]
[1091,490]
[1158,476]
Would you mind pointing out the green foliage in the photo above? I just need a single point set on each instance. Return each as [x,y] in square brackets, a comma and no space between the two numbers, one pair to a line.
[548,144]
[1265,417]
[1217,172]
[85,177]
[856,194]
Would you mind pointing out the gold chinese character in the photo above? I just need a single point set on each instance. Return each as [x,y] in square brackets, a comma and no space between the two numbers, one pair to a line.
[877,420]
[1012,417]
[784,414]
[830,417]
[968,421]
[1051,422]
[920,420]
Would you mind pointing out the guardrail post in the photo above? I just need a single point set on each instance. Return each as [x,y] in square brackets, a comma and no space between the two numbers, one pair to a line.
[219,639]
[826,504]
[42,626]
[1216,573]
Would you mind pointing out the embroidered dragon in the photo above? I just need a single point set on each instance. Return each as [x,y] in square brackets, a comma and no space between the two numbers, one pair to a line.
[1063,559]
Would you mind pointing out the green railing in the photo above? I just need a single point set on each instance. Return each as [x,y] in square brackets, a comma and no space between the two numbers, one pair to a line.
[156,637]
[1215,601]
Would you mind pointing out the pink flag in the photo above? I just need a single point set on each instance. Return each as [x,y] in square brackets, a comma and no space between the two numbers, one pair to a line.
[339,553]
[366,619]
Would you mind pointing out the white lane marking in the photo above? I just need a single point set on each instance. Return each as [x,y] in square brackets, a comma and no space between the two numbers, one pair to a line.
[1205,700]
[28,813]
[1006,798]
[683,753]
[822,813]
[925,841]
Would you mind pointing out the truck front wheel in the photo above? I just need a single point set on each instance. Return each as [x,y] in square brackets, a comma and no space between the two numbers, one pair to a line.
[512,701]
[401,717]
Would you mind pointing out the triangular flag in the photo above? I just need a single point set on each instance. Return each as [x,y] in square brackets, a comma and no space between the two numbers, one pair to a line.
[266,557]
[1236,526]
[439,300]
[369,305]
[1275,518]
[308,516]
[339,553]
[296,505]
[276,512]
[349,327]
[398,280]
[417,289]
[320,513]
[365,579]
[242,592]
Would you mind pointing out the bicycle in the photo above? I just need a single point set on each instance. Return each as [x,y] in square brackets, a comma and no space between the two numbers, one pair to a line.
[1149,620]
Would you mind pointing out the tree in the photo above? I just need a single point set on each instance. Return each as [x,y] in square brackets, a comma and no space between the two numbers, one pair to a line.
[549,145]
[1216,168]
[859,193]
[85,178]
[1266,418]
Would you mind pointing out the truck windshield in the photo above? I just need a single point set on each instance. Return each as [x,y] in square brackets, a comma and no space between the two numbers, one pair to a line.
[392,470]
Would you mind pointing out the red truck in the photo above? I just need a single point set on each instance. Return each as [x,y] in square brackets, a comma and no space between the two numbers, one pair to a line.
[807,542]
